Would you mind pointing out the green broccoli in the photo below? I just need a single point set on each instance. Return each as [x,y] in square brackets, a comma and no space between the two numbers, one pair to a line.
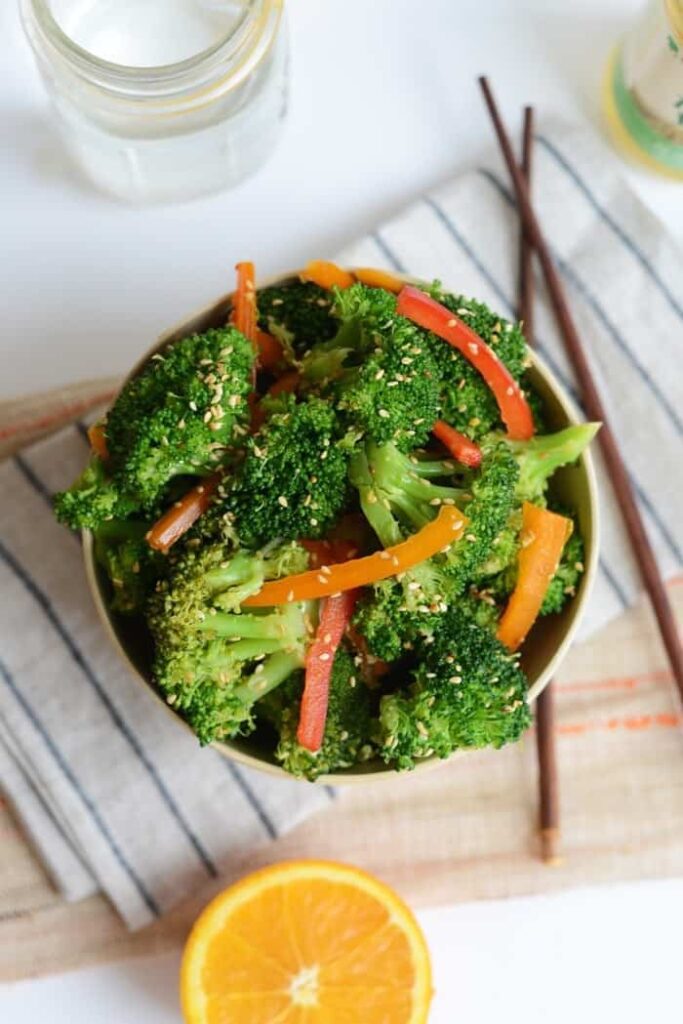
[212,662]
[467,691]
[493,500]
[389,390]
[93,499]
[539,457]
[347,729]
[298,314]
[293,481]
[178,415]
[175,418]
[131,565]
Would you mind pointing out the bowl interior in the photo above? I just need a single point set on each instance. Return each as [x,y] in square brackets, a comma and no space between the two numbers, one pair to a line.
[547,644]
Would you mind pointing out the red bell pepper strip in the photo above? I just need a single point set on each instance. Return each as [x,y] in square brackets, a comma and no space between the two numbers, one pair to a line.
[432,316]
[335,617]
[460,447]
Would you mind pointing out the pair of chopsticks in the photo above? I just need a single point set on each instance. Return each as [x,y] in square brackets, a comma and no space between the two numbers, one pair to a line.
[533,242]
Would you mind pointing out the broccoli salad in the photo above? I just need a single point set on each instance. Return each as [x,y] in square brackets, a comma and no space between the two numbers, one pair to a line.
[331,515]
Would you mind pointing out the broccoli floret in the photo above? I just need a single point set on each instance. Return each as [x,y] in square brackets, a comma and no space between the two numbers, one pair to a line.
[393,394]
[213,662]
[179,414]
[175,418]
[396,491]
[468,404]
[569,572]
[299,314]
[388,401]
[132,566]
[293,481]
[467,691]
[493,499]
[394,613]
[92,499]
[347,728]
[539,457]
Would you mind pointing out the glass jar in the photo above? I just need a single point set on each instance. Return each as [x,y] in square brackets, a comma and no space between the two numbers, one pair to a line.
[160,100]
[644,89]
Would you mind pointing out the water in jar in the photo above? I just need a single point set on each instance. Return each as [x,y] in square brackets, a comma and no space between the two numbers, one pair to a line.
[153,151]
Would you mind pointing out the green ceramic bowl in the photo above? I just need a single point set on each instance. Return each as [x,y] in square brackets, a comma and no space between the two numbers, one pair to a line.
[543,650]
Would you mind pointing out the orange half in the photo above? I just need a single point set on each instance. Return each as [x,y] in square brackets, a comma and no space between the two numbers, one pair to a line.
[306,942]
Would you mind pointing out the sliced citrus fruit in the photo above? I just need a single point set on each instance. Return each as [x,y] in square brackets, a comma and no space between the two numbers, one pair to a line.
[306,942]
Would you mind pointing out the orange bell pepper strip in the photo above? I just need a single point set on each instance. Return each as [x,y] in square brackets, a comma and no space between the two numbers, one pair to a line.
[98,441]
[182,515]
[378,279]
[270,351]
[544,535]
[460,447]
[432,316]
[326,275]
[334,618]
[360,572]
[244,303]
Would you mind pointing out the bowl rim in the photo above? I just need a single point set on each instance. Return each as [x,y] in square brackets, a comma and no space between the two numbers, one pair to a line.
[378,772]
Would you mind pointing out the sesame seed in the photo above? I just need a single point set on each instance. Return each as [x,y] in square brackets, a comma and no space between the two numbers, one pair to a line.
[455,680]
[452,322]
[283,501]
[314,522]
[464,311]
[510,390]
[322,579]
[413,585]
[384,555]
[406,360]
[471,538]
[234,401]
[379,374]
[290,595]
[435,501]
[207,415]
[384,413]
[325,656]
[475,421]
[473,347]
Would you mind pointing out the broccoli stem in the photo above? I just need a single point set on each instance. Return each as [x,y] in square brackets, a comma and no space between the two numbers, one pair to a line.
[539,457]
[267,676]
[240,577]
[264,627]
[375,511]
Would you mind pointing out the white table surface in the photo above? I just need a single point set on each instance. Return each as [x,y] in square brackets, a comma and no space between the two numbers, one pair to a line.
[384,104]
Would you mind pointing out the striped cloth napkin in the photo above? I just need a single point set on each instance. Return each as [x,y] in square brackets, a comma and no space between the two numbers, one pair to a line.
[115,795]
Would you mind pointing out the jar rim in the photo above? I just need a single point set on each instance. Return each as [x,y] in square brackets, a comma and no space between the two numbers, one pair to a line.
[155,77]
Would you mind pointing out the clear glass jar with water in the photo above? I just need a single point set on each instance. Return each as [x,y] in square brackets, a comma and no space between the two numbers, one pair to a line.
[160,100]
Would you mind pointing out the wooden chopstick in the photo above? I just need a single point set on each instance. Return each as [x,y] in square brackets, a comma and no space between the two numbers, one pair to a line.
[593,404]
[548,778]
